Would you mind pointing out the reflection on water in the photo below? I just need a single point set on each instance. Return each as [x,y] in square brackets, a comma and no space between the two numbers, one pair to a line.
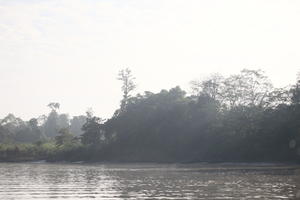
[145,181]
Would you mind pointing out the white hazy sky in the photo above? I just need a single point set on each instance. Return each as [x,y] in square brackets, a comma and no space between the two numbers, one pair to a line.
[70,51]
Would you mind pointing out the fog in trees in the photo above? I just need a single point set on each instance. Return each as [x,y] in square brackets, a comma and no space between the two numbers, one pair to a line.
[240,117]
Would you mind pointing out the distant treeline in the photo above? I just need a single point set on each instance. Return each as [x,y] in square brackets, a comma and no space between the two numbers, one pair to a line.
[240,118]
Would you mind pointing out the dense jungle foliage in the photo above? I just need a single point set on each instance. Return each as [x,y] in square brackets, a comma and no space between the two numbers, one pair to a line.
[240,118]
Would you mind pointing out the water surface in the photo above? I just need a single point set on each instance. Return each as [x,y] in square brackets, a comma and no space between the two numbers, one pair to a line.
[146,181]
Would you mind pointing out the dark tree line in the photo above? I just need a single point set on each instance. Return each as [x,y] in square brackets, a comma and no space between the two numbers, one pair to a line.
[241,117]
[15,130]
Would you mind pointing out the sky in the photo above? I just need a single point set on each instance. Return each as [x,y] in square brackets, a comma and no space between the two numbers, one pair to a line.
[70,51]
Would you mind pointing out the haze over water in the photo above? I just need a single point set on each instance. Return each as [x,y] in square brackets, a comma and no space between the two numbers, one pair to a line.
[145,181]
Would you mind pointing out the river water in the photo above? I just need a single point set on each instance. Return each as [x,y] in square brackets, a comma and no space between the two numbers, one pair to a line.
[147,181]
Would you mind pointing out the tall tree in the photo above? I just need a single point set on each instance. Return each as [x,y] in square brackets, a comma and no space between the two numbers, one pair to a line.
[54,106]
[128,86]
[51,126]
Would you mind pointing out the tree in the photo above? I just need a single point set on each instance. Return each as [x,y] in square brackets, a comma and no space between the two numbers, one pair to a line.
[51,126]
[295,91]
[55,121]
[211,87]
[54,106]
[93,130]
[128,86]
[249,88]
[65,137]
[5,135]
[30,133]
[76,124]
[256,122]
[35,129]
[278,96]
[12,123]
[63,121]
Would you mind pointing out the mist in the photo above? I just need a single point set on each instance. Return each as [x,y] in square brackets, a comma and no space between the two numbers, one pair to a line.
[160,99]
[64,51]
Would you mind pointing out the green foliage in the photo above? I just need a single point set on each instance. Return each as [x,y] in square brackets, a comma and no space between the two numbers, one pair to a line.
[65,137]
[93,132]
[236,118]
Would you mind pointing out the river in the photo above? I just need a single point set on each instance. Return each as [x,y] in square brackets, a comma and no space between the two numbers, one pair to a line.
[147,181]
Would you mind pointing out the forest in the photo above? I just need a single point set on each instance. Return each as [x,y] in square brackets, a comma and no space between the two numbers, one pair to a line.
[237,118]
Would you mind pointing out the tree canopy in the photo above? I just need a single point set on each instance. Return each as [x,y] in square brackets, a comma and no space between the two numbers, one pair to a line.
[241,117]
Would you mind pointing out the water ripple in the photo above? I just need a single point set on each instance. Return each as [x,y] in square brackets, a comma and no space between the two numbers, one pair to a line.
[115,182]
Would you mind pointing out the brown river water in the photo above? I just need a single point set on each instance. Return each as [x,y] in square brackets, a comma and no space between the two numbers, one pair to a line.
[148,181]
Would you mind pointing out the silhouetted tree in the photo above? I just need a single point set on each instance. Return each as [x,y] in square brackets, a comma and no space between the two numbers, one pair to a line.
[51,126]
[65,137]
[93,132]
[76,124]
[236,118]
[54,106]
[128,86]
